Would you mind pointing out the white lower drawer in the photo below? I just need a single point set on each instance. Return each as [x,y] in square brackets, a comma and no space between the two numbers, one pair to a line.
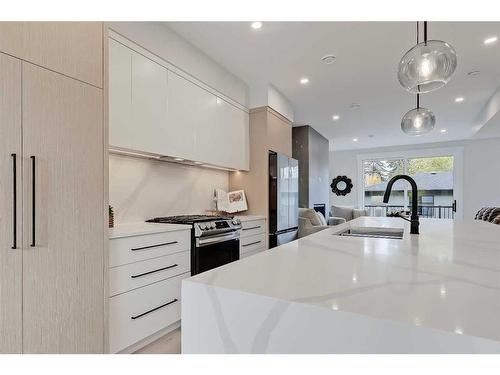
[139,313]
[135,275]
[136,248]
[251,243]
[250,253]
[250,228]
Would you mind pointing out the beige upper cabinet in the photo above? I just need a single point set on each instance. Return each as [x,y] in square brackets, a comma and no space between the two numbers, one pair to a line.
[71,48]
[63,222]
[10,200]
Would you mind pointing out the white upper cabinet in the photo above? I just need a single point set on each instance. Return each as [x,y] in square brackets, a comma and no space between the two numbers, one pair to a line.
[121,127]
[190,108]
[149,104]
[232,125]
[156,110]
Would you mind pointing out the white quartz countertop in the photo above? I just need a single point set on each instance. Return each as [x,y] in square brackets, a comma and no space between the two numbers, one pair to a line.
[446,278]
[141,228]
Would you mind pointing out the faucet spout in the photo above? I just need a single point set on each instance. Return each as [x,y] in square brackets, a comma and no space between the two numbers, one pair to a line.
[414,199]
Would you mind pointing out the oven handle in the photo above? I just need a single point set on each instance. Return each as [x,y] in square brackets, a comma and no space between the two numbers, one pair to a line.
[200,242]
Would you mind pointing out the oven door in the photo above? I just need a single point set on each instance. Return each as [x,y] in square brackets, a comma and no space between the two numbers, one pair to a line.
[215,251]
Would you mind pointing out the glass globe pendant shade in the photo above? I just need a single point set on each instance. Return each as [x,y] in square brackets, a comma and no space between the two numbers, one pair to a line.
[418,121]
[427,66]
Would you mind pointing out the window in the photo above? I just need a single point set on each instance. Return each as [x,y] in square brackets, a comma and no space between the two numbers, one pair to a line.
[433,175]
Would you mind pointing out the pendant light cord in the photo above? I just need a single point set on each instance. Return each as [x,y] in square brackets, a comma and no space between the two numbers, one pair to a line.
[418,101]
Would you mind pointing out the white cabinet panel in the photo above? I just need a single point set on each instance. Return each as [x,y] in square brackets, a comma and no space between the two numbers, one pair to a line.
[136,248]
[149,104]
[155,110]
[139,313]
[232,129]
[191,110]
[121,127]
[139,274]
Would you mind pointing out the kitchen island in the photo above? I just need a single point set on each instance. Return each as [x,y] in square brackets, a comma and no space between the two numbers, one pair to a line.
[437,292]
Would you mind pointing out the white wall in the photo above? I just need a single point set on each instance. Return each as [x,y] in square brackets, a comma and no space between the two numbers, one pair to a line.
[268,95]
[140,189]
[165,43]
[481,172]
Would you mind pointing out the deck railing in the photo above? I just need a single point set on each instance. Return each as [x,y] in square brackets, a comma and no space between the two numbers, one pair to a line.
[435,212]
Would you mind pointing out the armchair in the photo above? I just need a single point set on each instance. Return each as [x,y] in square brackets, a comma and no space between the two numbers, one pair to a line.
[311,222]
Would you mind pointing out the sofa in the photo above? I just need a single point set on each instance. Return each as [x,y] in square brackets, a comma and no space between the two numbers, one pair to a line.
[311,222]
[346,212]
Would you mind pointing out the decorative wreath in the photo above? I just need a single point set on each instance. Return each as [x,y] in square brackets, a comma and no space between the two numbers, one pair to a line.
[341,185]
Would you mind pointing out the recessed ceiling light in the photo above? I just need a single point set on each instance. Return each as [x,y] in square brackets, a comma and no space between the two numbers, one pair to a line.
[354,105]
[256,25]
[198,162]
[335,117]
[328,59]
[459,99]
[178,159]
[355,139]
[443,130]
[473,74]
[304,81]
[490,40]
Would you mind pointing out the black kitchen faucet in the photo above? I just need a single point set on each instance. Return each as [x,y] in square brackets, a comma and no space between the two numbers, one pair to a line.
[414,199]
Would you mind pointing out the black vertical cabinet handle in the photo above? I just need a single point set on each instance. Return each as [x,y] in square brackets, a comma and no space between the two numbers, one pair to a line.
[14,201]
[33,201]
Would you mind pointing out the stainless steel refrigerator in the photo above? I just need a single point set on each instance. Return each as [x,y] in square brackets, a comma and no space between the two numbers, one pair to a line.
[283,199]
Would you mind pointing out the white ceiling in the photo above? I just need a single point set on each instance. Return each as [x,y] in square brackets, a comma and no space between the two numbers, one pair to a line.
[364,72]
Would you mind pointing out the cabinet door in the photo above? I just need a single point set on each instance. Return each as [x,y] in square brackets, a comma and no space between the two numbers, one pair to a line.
[122,132]
[234,141]
[63,272]
[72,48]
[149,104]
[190,110]
[10,225]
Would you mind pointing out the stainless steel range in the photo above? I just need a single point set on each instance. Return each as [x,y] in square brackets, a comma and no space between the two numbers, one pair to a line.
[215,240]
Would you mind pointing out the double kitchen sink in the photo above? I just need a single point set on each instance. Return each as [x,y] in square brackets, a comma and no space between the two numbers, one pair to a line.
[373,232]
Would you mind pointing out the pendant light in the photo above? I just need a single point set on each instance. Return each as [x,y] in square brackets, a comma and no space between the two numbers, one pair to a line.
[418,121]
[427,66]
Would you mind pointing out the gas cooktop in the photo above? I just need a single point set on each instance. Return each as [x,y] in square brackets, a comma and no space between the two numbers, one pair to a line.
[187,219]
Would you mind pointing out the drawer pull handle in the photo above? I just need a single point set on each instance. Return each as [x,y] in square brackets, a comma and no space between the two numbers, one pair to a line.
[150,272]
[257,227]
[152,310]
[151,246]
[251,243]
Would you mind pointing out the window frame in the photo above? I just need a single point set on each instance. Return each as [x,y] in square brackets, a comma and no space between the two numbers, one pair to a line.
[456,152]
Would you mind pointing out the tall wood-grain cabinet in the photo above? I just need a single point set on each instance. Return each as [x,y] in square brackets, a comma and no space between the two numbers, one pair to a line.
[269,131]
[52,204]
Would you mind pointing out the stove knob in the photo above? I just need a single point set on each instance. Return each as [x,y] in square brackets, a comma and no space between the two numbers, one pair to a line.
[235,222]
[212,225]
[202,226]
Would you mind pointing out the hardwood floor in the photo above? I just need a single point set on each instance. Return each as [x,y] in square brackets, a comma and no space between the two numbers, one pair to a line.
[168,344]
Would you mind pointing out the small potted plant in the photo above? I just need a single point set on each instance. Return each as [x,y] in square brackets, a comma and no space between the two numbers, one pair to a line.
[111,217]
